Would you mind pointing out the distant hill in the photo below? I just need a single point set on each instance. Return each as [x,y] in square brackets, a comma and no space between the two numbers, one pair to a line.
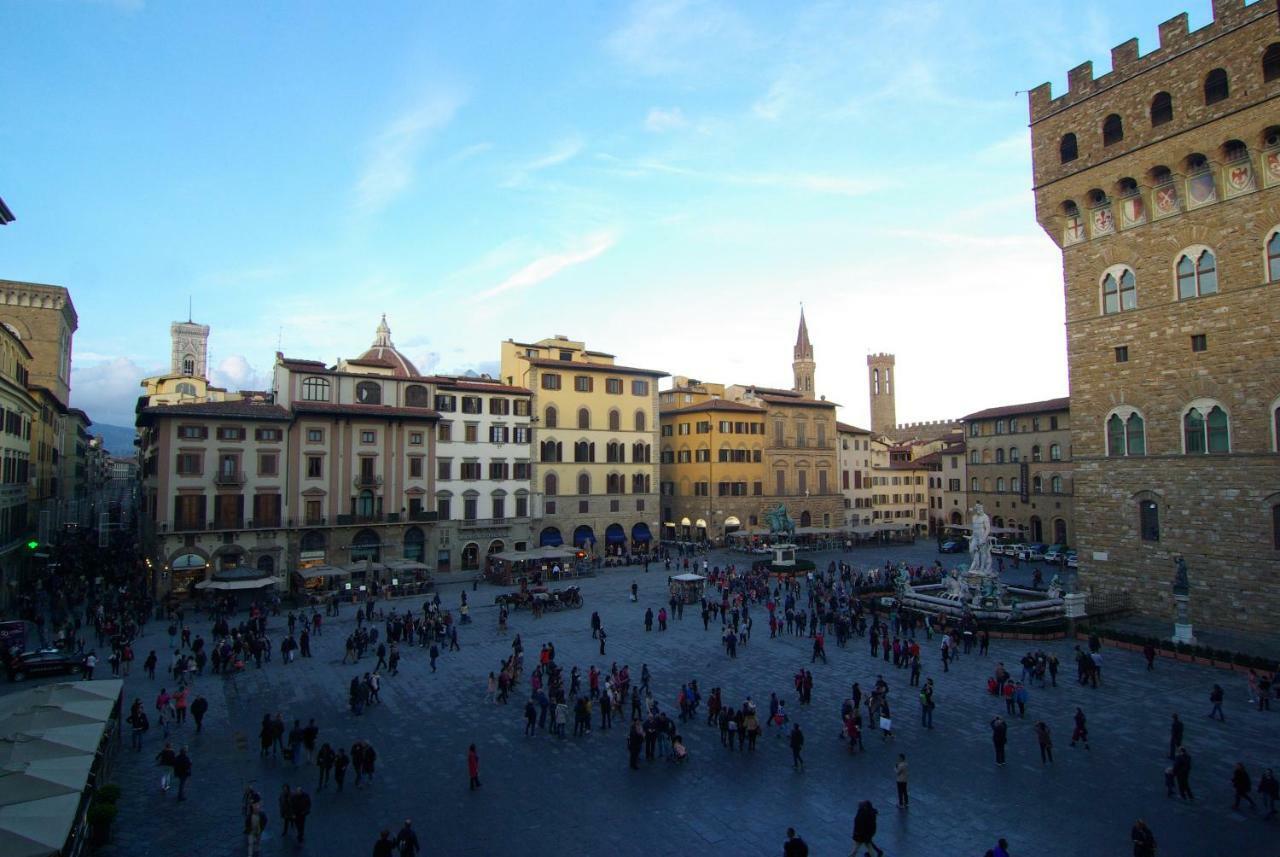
[118,439]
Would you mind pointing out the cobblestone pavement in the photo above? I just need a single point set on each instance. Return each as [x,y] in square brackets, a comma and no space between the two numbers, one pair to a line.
[544,795]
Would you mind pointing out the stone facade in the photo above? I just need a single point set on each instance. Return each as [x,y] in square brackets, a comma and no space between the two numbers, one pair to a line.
[1174,366]
[880,386]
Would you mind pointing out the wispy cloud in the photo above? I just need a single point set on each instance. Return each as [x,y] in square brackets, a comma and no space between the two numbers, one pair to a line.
[660,119]
[822,183]
[545,267]
[390,167]
[560,153]
[677,36]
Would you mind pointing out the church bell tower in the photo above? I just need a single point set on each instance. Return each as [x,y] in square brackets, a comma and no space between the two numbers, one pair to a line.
[802,366]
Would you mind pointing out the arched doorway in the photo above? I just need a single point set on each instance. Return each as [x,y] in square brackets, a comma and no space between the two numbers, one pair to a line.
[471,557]
[495,546]
[685,533]
[615,538]
[732,524]
[701,526]
[1059,531]
[957,518]
[550,537]
[997,521]
[1037,529]
[583,536]
[267,564]
[805,519]
[313,540]
[365,546]
[186,571]
[415,544]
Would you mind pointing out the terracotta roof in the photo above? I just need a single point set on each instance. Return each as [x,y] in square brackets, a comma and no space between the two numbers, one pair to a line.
[478,385]
[572,366]
[712,405]
[317,366]
[374,411]
[1062,404]
[850,428]
[803,403]
[384,353]
[235,410]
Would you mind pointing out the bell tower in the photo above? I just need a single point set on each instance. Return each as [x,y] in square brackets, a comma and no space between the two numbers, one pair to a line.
[190,352]
[880,381]
[802,366]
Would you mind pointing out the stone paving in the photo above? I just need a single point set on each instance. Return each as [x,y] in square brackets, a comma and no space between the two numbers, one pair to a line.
[544,795]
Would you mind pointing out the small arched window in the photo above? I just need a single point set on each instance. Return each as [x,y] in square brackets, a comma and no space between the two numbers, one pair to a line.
[1055,485]
[1119,290]
[1149,520]
[1035,452]
[973,483]
[1197,273]
[551,417]
[188,365]
[584,418]
[1000,483]
[551,485]
[1161,109]
[973,456]
[1273,257]
[416,396]
[315,390]
[1067,149]
[1216,87]
[1037,485]
[641,421]
[615,420]
[1112,129]
[1055,452]
[999,455]
[1205,429]
[1126,433]
[368,393]
[1271,62]
[1014,455]
[584,484]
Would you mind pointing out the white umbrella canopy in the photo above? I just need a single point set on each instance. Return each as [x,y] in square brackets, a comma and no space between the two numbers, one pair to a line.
[37,828]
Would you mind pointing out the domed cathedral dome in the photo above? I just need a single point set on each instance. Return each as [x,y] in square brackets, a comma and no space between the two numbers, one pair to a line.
[384,354]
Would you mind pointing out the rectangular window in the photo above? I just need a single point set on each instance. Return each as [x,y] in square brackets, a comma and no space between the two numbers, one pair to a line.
[1149,520]
[613,386]
[520,471]
[781,488]
[230,433]
[268,434]
[313,512]
[500,407]
[522,407]
[702,455]
[190,464]
[268,464]
[445,402]
[499,507]
[639,388]
[498,470]
[520,434]
[415,467]
[1199,342]
[470,470]
[584,506]
[757,488]
[522,506]
[550,506]
[442,508]
[315,466]
[1122,354]
[266,510]
[1053,425]
[471,405]
[566,355]
[582,383]
[822,482]
[444,468]
[193,432]
[189,512]
[802,481]
[444,432]
[471,432]
[415,438]
[315,435]
[551,381]
[1035,424]
[499,434]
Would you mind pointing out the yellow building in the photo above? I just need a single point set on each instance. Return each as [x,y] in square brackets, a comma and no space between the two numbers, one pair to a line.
[595,437]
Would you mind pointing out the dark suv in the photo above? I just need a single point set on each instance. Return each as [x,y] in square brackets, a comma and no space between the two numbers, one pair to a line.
[42,662]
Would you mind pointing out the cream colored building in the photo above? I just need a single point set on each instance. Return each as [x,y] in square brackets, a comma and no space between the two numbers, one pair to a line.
[856,484]
[900,487]
[595,430]
[17,414]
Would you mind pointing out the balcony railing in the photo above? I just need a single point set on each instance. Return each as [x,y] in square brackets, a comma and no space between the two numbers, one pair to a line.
[224,477]
[367,480]
[477,523]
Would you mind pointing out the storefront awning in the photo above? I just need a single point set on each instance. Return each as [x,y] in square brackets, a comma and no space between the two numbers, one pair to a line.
[229,585]
[321,571]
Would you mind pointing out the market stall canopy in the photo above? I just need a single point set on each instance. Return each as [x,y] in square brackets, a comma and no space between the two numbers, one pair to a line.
[363,566]
[546,552]
[688,578]
[406,565]
[232,585]
[321,571]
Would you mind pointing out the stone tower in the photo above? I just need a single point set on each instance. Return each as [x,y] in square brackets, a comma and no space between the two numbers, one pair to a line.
[803,366]
[190,355]
[880,382]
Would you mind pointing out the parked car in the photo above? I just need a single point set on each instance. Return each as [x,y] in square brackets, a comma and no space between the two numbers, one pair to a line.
[951,546]
[1055,554]
[1072,559]
[1032,552]
[1012,548]
[42,662]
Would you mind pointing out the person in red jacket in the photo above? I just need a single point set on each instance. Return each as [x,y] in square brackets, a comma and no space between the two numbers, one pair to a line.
[473,767]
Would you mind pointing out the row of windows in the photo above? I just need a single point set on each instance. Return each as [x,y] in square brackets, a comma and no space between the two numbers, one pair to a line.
[1195,274]
[471,470]
[1216,89]
[585,452]
[471,508]
[725,426]
[498,406]
[586,384]
[15,423]
[1013,426]
[1014,455]
[1205,429]
[639,421]
[615,483]
[1014,485]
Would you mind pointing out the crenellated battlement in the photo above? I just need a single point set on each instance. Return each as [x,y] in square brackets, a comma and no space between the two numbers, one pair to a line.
[879,358]
[1127,61]
[930,424]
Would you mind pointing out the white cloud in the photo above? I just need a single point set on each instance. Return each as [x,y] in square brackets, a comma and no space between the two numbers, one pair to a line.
[389,169]
[677,36]
[108,391]
[565,150]
[236,373]
[660,119]
[546,267]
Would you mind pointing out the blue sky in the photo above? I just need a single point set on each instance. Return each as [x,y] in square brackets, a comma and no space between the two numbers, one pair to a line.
[665,180]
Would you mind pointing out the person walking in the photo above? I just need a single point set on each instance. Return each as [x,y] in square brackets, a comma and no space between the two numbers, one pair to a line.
[1243,785]
[199,707]
[254,824]
[1182,773]
[1144,841]
[182,770]
[926,704]
[340,764]
[1269,788]
[1045,741]
[1175,735]
[900,775]
[165,760]
[473,766]
[324,761]
[864,830]
[407,840]
[1081,730]
[1215,698]
[797,744]
[999,737]
[385,846]
[285,803]
[300,806]
[795,846]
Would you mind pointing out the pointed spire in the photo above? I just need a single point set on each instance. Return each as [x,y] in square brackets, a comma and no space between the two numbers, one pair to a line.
[804,350]
[383,337]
